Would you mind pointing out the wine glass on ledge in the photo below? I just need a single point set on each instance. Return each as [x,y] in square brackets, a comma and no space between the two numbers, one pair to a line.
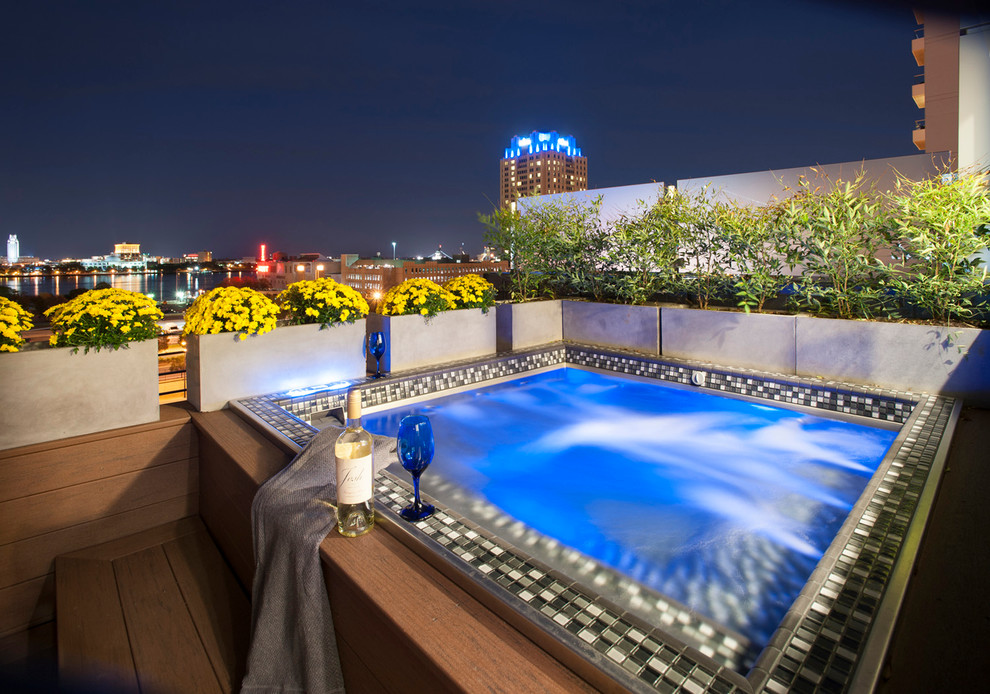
[415,448]
[377,345]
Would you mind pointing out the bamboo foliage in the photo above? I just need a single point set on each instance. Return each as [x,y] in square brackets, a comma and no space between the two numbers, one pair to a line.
[835,248]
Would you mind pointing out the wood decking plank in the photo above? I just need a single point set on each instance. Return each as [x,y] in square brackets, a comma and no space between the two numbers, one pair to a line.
[91,622]
[168,653]
[227,517]
[235,460]
[357,676]
[388,600]
[27,644]
[41,513]
[255,454]
[27,604]
[218,605]
[169,416]
[44,471]
[121,547]
[35,556]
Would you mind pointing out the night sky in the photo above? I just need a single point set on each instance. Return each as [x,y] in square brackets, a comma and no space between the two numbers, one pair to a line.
[343,126]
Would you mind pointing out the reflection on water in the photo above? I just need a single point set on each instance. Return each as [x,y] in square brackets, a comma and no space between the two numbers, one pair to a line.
[722,504]
[163,286]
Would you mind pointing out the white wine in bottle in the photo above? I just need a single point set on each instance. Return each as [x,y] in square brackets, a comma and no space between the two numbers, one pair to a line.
[355,473]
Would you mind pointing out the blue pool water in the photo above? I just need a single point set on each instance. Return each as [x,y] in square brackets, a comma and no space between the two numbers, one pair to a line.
[722,504]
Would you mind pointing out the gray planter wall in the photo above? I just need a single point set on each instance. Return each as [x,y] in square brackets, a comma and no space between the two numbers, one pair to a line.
[415,342]
[51,394]
[920,358]
[220,367]
[528,324]
[612,325]
[754,341]
[916,358]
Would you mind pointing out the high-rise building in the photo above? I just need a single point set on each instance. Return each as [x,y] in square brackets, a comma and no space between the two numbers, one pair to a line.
[954,51]
[540,164]
[13,249]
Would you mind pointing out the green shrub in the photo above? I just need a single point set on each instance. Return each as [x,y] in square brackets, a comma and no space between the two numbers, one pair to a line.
[942,226]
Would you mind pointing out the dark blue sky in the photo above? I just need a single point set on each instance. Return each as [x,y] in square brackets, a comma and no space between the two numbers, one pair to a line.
[340,127]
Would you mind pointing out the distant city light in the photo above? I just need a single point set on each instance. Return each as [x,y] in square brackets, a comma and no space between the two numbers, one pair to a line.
[263,257]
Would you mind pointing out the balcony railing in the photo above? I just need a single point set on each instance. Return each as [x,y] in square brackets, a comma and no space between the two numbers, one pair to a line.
[918,136]
[172,375]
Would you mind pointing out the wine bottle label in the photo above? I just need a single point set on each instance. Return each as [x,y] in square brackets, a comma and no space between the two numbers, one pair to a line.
[354,480]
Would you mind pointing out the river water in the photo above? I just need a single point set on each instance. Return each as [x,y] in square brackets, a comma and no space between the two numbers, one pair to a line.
[169,287]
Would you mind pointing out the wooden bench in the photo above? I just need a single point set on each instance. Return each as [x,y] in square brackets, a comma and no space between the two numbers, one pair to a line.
[157,611]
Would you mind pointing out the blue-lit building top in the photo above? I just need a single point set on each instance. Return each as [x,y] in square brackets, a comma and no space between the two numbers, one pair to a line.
[542,142]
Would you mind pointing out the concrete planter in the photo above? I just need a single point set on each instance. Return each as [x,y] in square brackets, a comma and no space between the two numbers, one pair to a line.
[916,358]
[415,342]
[221,368]
[919,358]
[612,325]
[754,341]
[51,394]
[528,324]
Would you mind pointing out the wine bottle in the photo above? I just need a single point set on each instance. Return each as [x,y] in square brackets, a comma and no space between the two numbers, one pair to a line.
[355,473]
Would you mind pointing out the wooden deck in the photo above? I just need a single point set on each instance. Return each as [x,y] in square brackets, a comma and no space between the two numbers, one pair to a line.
[159,611]
[61,496]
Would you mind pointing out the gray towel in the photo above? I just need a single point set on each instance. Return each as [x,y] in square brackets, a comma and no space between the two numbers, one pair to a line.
[293,648]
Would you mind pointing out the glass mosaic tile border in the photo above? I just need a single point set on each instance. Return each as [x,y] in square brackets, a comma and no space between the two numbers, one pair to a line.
[819,643]
[639,656]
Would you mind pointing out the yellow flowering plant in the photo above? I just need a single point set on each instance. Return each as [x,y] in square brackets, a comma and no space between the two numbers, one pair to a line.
[472,291]
[322,301]
[231,310]
[104,318]
[422,296]
[13,321]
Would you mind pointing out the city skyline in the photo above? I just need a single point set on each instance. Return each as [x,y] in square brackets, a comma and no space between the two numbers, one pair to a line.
[314,128]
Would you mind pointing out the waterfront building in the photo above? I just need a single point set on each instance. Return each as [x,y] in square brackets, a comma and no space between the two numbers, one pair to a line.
[375,276]
[115,262]
[307,266]
[541,163]
[198,257]
[954,52]
[13,249]
[127,251]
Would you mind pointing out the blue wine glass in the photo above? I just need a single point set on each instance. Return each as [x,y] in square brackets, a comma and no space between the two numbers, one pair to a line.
[377,345]
[416,453]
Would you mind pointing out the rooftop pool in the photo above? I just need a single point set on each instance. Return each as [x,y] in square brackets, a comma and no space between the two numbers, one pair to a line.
[684,527]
